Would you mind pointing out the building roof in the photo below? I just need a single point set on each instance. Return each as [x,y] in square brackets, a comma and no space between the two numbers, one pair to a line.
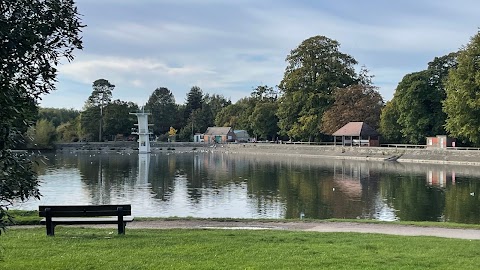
[218,130]
[356,129]
[237,131]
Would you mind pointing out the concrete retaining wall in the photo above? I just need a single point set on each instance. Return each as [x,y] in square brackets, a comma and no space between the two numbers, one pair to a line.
[432,156]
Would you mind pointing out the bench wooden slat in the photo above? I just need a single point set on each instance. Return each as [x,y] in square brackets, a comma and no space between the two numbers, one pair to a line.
[84,213]
[84,210]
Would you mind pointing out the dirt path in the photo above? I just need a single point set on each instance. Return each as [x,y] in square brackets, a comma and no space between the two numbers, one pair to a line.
[392,229]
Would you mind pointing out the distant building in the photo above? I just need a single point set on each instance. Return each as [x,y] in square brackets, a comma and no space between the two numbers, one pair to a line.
[242,135]
[357,134]
[219,135]
[198,138]
[440,141]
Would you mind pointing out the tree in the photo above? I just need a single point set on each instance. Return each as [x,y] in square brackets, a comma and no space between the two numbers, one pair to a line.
[89,124]
[118,119]
[172,133]
[262,113]
[194,101]
[161,104]
[191,110]
[355,103]
[42,135]
[101,96]
[462,104]
[416,99]
[205,116]
[264,120]
[264,93]
[389,127]
[69,131]
[229,116]
[57,116]
[315,69]
[34,36]
[237,115]
[417,104]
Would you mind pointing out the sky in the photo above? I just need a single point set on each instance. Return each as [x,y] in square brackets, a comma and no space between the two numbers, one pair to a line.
[228,47]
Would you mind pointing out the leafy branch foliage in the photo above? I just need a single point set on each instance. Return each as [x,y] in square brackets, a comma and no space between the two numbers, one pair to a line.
[34,35]
[462,104]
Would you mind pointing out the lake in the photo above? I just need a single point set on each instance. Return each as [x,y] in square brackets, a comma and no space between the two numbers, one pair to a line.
[213,184]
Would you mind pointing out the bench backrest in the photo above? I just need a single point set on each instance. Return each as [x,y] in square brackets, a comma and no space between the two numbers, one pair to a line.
[84,210]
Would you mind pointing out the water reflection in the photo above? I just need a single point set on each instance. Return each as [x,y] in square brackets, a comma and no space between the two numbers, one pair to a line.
[204,184]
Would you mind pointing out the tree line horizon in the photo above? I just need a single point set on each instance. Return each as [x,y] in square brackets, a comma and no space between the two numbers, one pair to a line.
[319,93]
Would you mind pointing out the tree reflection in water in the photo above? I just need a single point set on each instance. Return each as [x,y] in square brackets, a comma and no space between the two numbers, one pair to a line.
[206,184]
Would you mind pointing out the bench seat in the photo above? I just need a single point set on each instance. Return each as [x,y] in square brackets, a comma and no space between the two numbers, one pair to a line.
[73,221]
[85,214]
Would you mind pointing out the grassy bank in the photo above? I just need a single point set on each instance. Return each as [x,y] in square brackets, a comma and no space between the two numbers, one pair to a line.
[87,248]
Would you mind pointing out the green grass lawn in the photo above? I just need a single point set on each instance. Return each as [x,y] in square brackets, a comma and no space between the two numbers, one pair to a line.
[88,248]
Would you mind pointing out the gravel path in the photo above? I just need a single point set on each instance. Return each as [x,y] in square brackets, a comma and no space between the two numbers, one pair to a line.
[392,229]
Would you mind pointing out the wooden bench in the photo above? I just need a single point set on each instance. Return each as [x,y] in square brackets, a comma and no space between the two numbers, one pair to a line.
[85,214]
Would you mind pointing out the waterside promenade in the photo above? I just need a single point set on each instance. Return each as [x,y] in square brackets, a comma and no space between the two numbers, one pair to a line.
[407,155]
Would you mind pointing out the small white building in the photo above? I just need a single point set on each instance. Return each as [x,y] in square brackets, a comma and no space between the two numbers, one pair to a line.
[198,138]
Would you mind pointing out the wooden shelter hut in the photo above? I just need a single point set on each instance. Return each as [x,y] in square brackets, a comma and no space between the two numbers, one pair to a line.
[357,133]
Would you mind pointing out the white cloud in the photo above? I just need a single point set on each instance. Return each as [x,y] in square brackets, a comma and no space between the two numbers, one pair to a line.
[229,47]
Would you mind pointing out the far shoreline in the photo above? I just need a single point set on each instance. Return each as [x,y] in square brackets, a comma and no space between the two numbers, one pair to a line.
[377,154]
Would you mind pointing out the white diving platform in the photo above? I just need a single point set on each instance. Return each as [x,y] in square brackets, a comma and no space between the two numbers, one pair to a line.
[143,132]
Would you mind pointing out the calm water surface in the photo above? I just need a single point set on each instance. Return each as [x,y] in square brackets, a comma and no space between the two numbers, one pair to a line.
[205,184]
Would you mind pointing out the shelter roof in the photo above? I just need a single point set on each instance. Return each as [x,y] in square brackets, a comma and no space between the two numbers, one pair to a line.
[218,130]
[356,129]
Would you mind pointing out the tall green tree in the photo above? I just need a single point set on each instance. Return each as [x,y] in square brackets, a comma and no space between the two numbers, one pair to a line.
[315,69]
[263,107]
[34,36]
[118,119]
[89,123]
[416,109]
[161,104]
[194,101]
[264,121]
[100,97]
[416,98]
[193,105]
[389,128]
[462,104]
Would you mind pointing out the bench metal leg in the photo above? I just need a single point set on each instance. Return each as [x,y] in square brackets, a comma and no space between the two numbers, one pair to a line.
[121,224]
[48,222]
